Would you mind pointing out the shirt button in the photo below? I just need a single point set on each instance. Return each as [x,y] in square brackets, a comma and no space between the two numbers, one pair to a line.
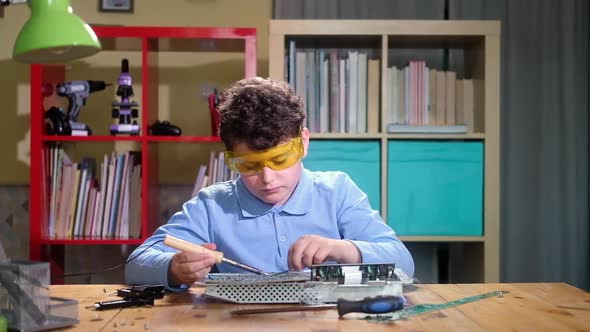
[283,238]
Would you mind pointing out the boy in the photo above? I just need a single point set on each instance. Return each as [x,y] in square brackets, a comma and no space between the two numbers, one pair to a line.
[277,215]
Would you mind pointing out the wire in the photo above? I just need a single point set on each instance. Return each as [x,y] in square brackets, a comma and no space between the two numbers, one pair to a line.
[110,268]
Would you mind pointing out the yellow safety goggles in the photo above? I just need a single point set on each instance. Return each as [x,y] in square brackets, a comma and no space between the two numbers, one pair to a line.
[276,158]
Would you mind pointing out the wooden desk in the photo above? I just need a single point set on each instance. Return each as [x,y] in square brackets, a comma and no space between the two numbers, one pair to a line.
[528,307]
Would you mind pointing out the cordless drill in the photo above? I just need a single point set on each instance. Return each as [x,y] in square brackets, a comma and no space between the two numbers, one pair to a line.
[77,92]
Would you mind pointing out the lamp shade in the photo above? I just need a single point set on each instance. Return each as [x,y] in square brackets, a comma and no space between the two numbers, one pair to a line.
[53,34]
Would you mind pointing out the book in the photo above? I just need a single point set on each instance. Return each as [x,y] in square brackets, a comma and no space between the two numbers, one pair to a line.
[324,83]
[374,66]
[352,92]
[334,67]
[468,104]
[396,128]
[199,181]
[441,97]
[451,78]
[361,109]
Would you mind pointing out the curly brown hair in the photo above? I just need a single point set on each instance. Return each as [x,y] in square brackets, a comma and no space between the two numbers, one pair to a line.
[260,113]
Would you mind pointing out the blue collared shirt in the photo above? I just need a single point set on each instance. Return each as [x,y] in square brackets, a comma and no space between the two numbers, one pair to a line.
[250,231]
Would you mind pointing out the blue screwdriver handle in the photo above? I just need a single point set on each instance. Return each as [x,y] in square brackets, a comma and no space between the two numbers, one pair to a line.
[371,305]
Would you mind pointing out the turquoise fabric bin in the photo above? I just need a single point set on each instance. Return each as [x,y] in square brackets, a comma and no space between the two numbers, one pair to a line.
[361,160]
[435,188]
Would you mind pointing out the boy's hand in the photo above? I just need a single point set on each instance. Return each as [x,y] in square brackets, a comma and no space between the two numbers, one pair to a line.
[314,249]
[188,267]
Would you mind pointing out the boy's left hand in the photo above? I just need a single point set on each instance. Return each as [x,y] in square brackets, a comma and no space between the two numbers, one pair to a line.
[309,250]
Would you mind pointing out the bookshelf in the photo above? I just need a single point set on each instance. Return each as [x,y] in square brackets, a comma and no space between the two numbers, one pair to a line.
[144,45]
[403,176]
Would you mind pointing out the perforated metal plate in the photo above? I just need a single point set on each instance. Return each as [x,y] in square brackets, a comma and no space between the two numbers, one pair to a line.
[295,287]
[257,293]
[299,292]
[250,278]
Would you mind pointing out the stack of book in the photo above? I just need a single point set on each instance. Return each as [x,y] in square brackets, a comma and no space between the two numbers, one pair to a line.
[218,172]
[339,88]
[426,100]
[79,206]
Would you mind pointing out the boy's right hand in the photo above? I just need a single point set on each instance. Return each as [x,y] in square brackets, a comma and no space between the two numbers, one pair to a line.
[187,267]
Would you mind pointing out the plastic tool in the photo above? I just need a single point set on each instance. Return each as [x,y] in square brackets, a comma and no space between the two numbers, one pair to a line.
[369,305]
[183,245]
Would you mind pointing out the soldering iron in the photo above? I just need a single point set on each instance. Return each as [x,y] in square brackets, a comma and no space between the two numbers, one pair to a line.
[217,255]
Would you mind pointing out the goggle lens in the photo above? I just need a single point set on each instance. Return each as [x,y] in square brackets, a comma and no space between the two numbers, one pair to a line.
[276,158]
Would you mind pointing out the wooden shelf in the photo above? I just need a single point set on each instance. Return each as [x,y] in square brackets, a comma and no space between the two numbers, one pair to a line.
[91,241]
[144,44]
[343,136]
[442,238]
[211,139]
[384,40]
[47,138]
[398,136]
[438,136]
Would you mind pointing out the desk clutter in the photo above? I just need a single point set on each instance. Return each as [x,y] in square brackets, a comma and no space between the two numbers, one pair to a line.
[25,301]
[348,288]
[135,296]
[429,307]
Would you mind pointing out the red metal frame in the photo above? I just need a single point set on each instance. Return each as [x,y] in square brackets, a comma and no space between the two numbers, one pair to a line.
[40,247]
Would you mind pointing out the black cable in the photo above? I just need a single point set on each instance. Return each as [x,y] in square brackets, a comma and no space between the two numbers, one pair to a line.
[110,268]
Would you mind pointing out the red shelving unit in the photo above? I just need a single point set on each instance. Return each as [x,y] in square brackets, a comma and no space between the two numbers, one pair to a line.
[182,39]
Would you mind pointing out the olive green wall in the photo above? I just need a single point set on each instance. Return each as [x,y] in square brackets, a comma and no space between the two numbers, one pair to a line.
[184,78]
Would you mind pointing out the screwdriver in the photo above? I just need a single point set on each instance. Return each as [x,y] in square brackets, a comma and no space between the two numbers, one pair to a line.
[371,305]
[183,245]
[368,305]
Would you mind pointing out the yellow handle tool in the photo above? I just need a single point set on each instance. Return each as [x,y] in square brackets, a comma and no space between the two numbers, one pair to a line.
[183,245]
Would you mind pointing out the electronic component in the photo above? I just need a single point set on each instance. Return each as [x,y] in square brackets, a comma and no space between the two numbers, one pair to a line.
[353,273]
[125,303]
[420,309]
[300,287]
[164,128]
[135,296]
[142,292]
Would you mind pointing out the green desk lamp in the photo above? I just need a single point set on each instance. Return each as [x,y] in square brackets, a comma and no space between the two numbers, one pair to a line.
[53,33]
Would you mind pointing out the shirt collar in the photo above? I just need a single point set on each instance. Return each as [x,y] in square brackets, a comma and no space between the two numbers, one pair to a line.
[298,203]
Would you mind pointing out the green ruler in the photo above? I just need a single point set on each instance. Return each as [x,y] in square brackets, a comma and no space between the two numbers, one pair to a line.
[419,309]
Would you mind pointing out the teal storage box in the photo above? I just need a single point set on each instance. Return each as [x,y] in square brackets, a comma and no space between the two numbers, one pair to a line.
[435,188]
[361,160]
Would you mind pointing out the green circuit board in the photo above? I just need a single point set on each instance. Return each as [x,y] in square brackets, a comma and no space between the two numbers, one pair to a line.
[363,273]
[357,273]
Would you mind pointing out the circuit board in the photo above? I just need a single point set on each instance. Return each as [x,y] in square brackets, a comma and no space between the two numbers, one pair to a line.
[420,309]
[353,273]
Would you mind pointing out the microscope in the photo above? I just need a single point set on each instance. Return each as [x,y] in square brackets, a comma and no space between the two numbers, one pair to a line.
[59,122]
[125,112]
